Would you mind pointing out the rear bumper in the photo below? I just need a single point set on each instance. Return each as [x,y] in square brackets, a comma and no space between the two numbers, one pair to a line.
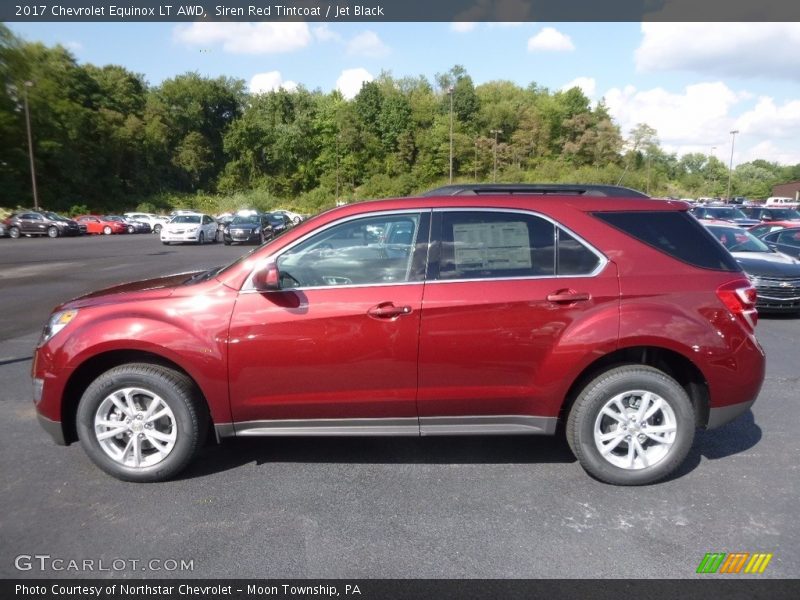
[725,414]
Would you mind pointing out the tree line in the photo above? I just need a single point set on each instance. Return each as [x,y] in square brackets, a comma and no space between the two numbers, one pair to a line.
[106,140]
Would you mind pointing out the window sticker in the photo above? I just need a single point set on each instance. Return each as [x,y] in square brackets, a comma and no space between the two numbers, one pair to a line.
[491,246]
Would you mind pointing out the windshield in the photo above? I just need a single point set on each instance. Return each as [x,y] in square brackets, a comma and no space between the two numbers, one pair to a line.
[275,219]
[738,240]
[113,218]
[248,220]
[186,219]
[726,213]
[784,214]
[54,217]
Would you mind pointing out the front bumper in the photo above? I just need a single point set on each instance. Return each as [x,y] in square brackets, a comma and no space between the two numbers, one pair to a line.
[242,236]
[167,236]
[53,428]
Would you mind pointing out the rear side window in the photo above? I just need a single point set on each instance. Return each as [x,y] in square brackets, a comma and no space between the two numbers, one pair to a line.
[499,245]
[674,233]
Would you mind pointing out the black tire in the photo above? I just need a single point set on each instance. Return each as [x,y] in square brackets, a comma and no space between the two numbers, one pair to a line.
[585,415]
[157,229]
[226,242]
[166,243]
[13,232]
[201,239]
[176,391]
[107,230]
[52,231]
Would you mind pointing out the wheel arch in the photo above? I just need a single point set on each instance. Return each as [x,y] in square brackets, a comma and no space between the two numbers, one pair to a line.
[93,367]
[673,363]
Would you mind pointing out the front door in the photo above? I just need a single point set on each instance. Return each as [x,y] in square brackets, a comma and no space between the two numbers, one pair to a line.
[335,350]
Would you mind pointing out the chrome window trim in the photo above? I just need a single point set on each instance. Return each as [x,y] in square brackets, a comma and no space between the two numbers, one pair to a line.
[248,287]
[603,259]
[248,284]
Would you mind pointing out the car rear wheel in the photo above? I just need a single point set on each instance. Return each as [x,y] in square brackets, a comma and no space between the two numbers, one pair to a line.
[107,230]
[131,229]
[13,232]
[52,231]
[631,425]
[141,422]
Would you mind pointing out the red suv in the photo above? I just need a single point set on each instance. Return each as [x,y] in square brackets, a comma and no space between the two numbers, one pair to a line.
[472,310]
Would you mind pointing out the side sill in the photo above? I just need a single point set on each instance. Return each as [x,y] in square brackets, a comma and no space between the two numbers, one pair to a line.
[408,426]
[488,425]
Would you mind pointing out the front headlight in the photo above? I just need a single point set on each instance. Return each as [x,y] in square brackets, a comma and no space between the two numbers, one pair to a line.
[57,322]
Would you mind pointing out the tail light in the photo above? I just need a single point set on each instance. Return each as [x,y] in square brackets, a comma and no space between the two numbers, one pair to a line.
[739,297]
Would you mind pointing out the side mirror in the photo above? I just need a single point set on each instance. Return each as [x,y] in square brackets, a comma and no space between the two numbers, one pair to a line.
[267,278]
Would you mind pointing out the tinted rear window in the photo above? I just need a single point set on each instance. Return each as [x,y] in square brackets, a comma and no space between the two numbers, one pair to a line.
[675,233]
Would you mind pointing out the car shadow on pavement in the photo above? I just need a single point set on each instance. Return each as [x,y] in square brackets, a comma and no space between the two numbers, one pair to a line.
[234,453]
[737,436]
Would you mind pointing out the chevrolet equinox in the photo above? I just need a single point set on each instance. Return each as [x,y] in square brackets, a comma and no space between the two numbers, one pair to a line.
[493,309]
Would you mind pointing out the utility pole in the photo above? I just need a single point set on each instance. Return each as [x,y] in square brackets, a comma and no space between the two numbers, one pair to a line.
[730,164]
[496,132]
[30,143]
[450,93]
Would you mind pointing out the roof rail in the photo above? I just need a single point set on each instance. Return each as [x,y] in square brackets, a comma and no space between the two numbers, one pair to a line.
[568,189]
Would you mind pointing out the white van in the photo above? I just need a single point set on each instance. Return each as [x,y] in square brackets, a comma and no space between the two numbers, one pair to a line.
[780,201]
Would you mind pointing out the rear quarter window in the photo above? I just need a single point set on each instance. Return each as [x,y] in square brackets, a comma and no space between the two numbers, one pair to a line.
[674,233]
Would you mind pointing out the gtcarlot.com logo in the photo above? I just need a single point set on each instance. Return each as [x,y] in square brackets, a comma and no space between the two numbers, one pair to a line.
[735,562]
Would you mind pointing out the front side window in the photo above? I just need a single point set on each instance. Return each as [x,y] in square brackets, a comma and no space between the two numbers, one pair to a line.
[491,245]
[375,250]
[790,238]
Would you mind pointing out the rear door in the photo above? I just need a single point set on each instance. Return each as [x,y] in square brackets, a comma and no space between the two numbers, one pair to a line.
[512,303]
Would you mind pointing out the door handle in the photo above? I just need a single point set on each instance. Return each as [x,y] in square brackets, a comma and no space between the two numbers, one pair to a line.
[568,296]
[387,310]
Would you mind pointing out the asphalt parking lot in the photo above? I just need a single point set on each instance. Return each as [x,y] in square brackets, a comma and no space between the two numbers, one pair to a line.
[513,507]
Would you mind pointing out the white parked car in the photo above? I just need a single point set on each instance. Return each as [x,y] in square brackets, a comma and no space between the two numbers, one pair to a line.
[294,217]
[197,227]
[156,221]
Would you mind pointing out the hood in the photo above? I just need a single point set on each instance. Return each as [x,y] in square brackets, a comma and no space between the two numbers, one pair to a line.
[768,264]
[160,287]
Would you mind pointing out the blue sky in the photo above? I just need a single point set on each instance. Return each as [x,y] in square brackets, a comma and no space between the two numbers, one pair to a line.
[693,82]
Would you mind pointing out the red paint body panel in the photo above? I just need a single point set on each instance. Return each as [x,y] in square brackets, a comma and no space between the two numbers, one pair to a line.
[500,348]
[317,354]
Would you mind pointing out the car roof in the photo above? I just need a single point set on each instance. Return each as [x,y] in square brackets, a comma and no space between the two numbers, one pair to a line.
[561,189]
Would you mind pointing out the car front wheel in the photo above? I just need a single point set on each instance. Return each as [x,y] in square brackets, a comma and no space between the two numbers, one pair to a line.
[201,239]
[632,425]
[157,229]
[52,231]
[141,422]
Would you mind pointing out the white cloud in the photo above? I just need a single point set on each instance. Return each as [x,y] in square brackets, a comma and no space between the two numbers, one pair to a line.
[550,40]
[323,33]
[463,26]
[262,83]
[350,81]
[587,84]
[73,45]
[771,121]
[246,38]
[367,44]
[698,117]
[722,49]
[767,150]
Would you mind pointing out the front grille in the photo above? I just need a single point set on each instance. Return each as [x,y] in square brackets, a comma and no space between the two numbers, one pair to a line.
[779,288]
